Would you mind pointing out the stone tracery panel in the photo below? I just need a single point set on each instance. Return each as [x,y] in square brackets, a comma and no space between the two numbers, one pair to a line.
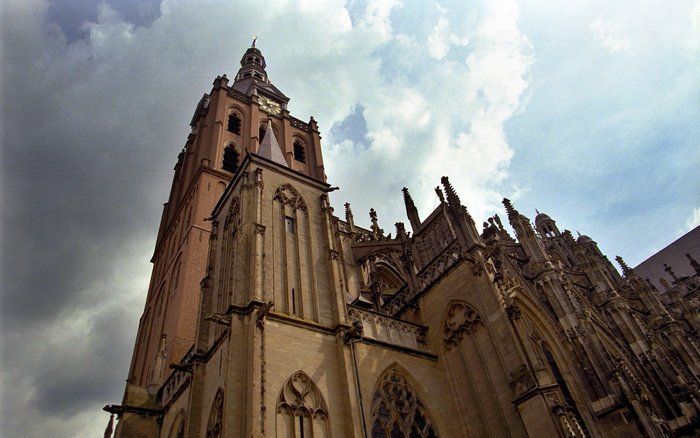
[288,195]
[460,319]
[397,412]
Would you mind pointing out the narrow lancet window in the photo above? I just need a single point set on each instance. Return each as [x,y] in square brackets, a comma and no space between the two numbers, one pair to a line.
[299,152]
[234,124]
[230,159]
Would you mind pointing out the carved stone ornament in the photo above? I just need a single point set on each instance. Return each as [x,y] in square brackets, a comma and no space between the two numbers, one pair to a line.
[461,318]
[288,195]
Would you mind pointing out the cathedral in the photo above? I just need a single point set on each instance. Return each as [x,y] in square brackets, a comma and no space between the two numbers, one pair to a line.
[268,314]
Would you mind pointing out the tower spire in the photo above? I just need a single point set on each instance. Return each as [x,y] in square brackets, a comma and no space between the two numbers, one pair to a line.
[270,148]
[625,268]
[411,210]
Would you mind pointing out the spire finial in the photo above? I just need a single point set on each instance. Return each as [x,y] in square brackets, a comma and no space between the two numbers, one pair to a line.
[349,218]
[452,198]
[693,263]
[537,211]
[625,269]
[673,275]
[512,212]
[411,210]
[376,231]
[255,38]
[440,196]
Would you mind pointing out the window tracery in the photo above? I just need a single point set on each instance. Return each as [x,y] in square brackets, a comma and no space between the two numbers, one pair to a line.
[301,409]
[397,412]
[215,425]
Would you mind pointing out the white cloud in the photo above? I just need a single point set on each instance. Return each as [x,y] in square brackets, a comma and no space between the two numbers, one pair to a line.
[440,40]
[610,34]
[694,219]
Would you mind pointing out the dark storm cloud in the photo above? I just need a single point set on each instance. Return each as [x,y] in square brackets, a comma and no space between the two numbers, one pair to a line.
[84,136]
[71,15]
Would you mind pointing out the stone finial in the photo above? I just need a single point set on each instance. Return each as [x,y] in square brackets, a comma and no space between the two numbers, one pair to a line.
[376,231]
[411,210]
[670,272]
[665,284]
[400,230]
[452,198]
[349,218]
[512,212]
[498,221]
[440,196]
[626,270]
[693,263]
[110,427]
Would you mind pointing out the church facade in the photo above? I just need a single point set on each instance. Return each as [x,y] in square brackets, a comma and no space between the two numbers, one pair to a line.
[268,315]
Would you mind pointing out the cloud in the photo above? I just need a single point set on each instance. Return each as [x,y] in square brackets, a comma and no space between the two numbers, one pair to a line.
[694,219]
[610,34]
[94,113]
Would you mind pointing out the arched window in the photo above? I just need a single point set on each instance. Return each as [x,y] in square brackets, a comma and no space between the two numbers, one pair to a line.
[396,410]
[261,132]
[234,123]
[216,416]
[301,409]
[299,152]
[230,159]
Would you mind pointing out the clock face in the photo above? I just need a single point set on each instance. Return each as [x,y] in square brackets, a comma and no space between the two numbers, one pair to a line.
[270,106]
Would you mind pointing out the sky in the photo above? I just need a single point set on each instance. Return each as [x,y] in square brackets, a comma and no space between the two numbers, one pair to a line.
[586,110]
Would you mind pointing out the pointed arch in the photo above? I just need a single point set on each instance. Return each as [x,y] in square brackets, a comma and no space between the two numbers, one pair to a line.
[216,416]
[397,409]
[301,409]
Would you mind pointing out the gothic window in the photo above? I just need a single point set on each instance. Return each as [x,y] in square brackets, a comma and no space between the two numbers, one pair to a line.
[230,159]
[234,124]
[301,409]
[261,132]
[397,412]
[215,425]
[299,152]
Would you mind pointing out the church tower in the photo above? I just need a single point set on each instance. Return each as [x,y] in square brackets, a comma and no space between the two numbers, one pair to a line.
[234,119]
[268,316]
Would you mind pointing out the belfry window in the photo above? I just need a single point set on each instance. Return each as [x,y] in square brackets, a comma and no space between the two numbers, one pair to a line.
[299,152]
[230,159]
[261,132]
[234,124]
